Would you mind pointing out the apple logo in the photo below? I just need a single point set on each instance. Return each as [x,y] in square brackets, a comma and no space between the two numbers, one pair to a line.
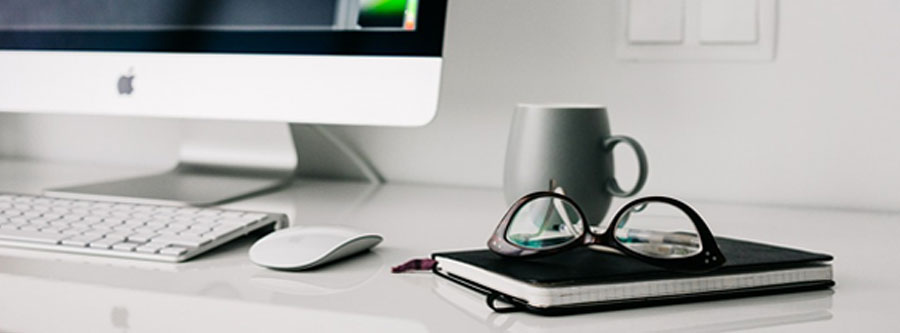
[125,85]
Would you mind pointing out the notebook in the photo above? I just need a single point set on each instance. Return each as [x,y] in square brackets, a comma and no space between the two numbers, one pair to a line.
[584,279]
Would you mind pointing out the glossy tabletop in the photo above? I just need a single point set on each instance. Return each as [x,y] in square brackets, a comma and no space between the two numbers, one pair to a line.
[224,291]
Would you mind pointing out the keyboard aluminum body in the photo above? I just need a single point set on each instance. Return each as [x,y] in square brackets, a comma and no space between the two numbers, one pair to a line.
[124,230]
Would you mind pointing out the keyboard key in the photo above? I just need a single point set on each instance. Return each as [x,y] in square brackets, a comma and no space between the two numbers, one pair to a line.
[141,237]
[96,233]
[29,228]
[92,219]
[30,236]
[52,229]
[205,220]
[72,219]
[219,233]
[114,220]
[182,218]
[80,225]
[102,226]
[38,221]
[81,240]
[72,232]
[60,223]
[151,247]
[11,213]
[147,230]
[120,214]
[123,228]
[80,230]
[119,235]
[157,223]
[163,216]
[171,230]
[9,226]
[191,233]
[40,209]
[144,208]
[231,215]
[181,224]
[140,215]
[134,222]
[104,243]
[210,212]
[182,240]
[234,222]
[173,251]
[126,246]
[203,226]
[31,214]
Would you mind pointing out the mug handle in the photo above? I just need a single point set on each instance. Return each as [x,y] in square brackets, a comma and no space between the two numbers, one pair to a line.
[613,185]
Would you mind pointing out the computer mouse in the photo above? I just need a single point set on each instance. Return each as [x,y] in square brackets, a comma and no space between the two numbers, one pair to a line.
[305,247]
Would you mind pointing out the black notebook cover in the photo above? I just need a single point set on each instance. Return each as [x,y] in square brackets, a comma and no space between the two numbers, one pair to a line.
[584,266]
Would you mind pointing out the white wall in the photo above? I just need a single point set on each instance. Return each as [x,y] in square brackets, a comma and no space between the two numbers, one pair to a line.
[815,127]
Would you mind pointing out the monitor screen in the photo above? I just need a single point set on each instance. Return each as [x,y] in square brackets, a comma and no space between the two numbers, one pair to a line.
[390,27]
[225,15]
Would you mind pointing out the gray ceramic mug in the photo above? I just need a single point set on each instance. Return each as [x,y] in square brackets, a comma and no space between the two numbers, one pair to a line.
[572,146]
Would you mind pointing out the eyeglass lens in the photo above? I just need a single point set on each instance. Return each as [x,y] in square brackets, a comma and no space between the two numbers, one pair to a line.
[545,223]
[658,230]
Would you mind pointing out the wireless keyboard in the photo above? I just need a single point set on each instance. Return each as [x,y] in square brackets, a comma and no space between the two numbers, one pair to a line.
[125,230]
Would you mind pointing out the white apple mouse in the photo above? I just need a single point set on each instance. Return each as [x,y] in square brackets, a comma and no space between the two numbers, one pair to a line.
[299,248]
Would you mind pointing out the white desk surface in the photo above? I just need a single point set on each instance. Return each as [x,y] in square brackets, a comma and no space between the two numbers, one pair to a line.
[223,291]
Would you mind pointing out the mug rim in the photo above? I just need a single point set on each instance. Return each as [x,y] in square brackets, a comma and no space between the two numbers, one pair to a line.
[560,106]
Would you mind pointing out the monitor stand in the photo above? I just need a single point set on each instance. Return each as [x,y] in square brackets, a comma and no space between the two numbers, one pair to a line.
[219,161]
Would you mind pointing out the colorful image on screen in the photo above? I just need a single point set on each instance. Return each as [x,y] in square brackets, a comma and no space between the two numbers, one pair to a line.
[388,14]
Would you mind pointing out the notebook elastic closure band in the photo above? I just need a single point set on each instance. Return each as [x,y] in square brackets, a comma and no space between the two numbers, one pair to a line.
[512,306]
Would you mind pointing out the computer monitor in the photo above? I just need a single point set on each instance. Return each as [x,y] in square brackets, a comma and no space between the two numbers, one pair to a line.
[349,62]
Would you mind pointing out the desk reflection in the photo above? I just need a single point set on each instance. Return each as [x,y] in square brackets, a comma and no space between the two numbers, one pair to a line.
[344,276]
[715,316]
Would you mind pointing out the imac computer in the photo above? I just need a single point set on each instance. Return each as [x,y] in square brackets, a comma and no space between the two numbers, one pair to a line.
[247,69]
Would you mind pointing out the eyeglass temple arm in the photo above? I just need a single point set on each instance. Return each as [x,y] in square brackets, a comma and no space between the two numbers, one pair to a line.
[554,187]
[558,206]
[561,210]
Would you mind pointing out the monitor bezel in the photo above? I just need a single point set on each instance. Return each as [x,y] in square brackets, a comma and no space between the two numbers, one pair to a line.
[426,40]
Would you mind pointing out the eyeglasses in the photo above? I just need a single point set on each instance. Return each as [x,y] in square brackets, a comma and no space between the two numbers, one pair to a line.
[658,230]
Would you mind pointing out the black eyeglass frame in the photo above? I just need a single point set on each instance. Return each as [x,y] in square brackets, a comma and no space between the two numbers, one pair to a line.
[707,259]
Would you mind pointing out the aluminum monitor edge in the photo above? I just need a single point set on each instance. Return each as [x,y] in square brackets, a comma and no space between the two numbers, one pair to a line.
[323,89]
